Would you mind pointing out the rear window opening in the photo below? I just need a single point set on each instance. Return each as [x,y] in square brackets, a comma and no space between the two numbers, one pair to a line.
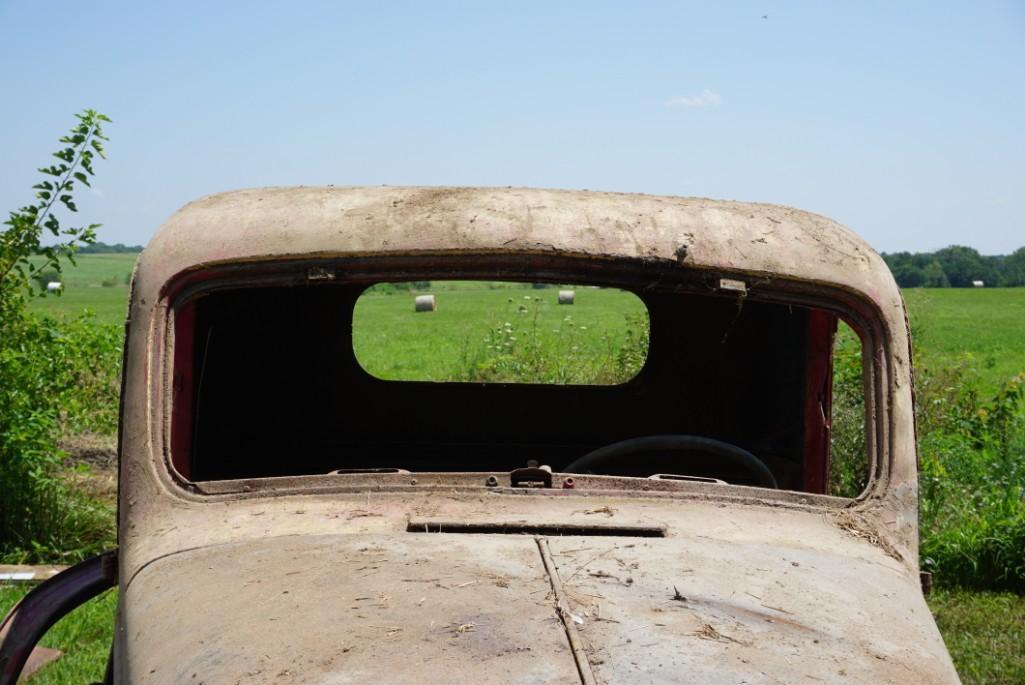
[337,378]
[500,332]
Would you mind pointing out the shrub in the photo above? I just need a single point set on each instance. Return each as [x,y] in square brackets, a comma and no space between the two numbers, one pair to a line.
[972,482]
[50,376]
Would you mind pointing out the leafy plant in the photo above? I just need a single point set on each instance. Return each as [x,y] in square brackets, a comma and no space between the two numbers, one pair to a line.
[26,227]
[972,481]
[40,367]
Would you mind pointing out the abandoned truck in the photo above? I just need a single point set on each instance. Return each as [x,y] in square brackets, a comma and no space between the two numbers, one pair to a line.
[286,515]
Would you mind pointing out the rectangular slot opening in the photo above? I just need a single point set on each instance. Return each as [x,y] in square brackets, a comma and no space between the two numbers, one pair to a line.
[526,528]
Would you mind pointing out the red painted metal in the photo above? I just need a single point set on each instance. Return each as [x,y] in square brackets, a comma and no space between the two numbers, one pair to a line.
[183,389]
[818,400]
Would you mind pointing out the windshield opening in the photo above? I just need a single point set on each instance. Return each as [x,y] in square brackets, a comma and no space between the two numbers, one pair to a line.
[336,378]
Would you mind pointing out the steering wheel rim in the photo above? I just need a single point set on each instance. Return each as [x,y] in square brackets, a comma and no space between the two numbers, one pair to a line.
[675,443]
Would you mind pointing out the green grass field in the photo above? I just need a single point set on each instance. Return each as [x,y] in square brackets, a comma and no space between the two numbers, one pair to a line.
[84,289]
[984,328]
[394,343]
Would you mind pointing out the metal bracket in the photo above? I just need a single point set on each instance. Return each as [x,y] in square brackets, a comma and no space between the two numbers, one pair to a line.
[531,477]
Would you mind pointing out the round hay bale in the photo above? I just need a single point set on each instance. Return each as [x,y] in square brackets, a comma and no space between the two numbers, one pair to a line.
[566,296]
[425,303]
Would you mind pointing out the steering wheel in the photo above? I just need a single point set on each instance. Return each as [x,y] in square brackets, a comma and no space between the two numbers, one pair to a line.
[606,456]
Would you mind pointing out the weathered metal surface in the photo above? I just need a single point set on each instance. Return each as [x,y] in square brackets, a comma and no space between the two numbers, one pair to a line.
[834,583]
[800,594]
[274,222]
[347,609]
[712,613]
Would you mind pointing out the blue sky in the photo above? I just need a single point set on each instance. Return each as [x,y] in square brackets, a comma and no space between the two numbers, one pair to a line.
[905,121]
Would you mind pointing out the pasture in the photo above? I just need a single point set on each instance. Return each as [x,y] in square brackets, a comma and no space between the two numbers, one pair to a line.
[476,323]
[98,284]
[983,328]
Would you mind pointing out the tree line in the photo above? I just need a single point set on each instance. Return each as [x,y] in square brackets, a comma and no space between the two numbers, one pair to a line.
[104,248]
[956,266]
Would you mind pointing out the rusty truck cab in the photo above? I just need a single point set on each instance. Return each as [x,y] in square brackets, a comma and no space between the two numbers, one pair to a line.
[286,512]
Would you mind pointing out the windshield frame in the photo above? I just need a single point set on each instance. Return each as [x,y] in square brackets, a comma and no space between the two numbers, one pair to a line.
[856,311]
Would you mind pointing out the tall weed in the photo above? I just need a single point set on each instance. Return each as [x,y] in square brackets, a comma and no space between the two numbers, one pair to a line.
[520,350]
[972,482]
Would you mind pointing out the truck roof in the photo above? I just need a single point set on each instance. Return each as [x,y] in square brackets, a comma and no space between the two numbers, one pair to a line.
[271,223]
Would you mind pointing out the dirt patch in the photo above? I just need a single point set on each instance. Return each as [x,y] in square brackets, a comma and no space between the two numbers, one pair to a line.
[92,465]
[89,448]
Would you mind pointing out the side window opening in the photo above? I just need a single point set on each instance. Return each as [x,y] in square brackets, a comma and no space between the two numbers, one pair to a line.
[848,466]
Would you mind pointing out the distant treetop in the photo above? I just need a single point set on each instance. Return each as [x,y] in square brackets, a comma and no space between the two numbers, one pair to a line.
[956,267]
[104,248]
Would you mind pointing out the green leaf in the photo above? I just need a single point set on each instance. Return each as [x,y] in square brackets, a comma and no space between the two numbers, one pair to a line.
[82,177]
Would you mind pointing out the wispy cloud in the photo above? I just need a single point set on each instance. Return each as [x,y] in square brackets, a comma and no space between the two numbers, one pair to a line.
[706,98]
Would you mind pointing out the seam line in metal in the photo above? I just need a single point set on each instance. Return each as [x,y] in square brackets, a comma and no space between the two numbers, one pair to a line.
[562,609]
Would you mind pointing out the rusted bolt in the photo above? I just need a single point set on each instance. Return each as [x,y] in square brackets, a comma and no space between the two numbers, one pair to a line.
[568,483]
[492,481]
[412,481]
